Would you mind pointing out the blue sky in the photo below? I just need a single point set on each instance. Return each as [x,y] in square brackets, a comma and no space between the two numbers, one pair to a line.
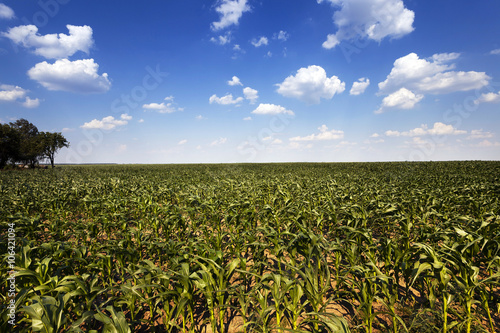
[255,81]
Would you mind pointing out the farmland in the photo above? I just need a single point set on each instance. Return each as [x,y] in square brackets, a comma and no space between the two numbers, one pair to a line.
[333,247]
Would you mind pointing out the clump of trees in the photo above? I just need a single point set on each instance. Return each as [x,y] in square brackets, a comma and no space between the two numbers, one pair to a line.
[21,142]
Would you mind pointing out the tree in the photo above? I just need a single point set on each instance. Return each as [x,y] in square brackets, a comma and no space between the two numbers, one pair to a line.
[21,141]
[9,144]
[51,143]
[30,149]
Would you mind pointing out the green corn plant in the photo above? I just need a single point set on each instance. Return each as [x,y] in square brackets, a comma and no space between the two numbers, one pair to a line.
[431,261]
[213,280]
[86,287]
[117,323]
[261,316]
[47,314]
[184,287]
[294,305]
[366,282]
[278,286]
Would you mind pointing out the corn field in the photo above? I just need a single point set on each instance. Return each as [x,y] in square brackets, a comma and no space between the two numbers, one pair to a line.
[334,247]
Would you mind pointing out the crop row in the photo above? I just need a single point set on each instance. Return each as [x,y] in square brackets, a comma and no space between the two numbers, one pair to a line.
[400,247]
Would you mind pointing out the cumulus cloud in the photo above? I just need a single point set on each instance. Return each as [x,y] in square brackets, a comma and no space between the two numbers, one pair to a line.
[9,93]
[372,19]
[251,94]
[496,51]
[218,142]
[75,76]
[437,129]
[323,135]
[53,46]
[107,123]
[182,142]
[222,39]
[359,86]
[230,12]
[163,107]
[282,35]
[490,97]
[433,75]
[259,42]
[225,100]
[31,103]
[487,144]
[310,85]
[6,12]
[479,134]
[272,109]
[401,99]
[235,81]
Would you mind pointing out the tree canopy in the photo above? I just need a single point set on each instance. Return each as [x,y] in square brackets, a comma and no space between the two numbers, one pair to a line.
[21,142]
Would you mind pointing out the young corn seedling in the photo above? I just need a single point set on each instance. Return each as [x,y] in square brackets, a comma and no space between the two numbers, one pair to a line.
[117,323]
[213,280]
[366,282]
[431,261]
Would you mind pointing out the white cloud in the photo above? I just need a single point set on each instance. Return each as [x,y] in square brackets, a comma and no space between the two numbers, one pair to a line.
[276,142]
[487,144]
[76,76]
[53,46]
[225,100]
[31,103]
[247,118]
[490,97]
[437,129]
[6,12]
[260,42]
[9,93]
[372,19]
[107,123]
[199,117]
[163,107]
[310,85]
[235,81]
[496,51]
[359,86]
[222,39]
[272,109]
[182,142]
[343,144]
[479,134]
[218,142]
[401,99]
[323,135]
[282,35]
[230,12]
[140,121]
[431,75]
[251,94]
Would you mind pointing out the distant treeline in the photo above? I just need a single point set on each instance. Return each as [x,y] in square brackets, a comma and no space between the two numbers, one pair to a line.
[21,142]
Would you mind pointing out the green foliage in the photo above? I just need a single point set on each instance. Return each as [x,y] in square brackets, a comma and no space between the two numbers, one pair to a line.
[340,247]
[21,141]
